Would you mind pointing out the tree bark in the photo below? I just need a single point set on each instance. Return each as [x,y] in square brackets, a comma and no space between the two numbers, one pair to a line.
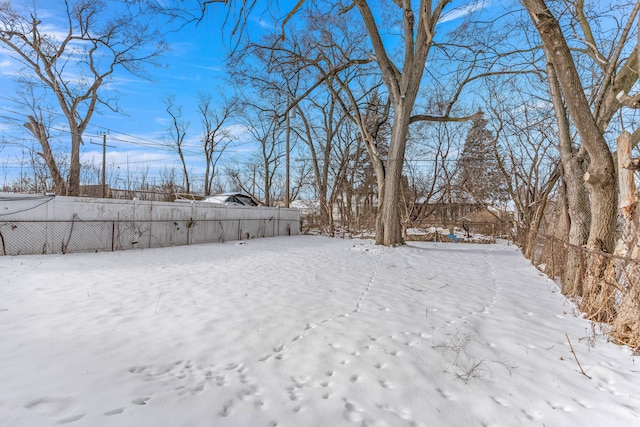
[626,325]
[391,198]
[628,195]
[40,133]
[600,176]
[577,199]
[74,167]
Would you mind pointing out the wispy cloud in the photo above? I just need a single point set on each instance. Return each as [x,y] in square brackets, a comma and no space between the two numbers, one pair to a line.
[181,49]
[129,157]
[215,68]
[463,11]
[238,132]
[9,67]
[57,33]
[262,23]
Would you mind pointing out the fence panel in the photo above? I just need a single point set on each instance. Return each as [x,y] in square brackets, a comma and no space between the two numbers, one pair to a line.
[66,225]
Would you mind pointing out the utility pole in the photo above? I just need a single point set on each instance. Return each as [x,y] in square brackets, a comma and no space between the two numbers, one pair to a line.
[287,199]
[290,113]
[253,189]
[104,164]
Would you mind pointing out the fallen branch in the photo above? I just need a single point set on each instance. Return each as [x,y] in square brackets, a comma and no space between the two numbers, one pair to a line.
[576,358]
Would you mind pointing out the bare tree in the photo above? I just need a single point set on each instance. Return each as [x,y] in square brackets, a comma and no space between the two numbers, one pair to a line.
[432,169]
[73,67]
[177,131]
[402,80]
[321,139]
[402,74]
[524,149]
[216,138]
[262,124]
[320,73]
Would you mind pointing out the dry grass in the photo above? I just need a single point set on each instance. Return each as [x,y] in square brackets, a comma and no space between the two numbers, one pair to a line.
[609,291]
[625,328]
[462,364]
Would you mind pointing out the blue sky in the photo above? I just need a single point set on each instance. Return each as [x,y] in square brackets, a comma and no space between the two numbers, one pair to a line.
[195,63]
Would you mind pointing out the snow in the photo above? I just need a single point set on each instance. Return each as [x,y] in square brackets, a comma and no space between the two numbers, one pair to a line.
[302,331]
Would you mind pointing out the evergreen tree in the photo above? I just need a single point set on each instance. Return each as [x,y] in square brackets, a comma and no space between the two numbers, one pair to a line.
[479,179]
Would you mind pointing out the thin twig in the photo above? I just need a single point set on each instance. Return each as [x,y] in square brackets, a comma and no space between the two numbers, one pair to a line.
[576,358]
[157,304]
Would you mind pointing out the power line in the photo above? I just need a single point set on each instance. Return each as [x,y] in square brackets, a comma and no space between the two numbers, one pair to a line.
[147,143]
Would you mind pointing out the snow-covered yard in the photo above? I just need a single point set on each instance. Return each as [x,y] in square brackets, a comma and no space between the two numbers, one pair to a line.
[302,331]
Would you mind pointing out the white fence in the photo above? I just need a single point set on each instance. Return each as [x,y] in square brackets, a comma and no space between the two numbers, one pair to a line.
[48,224]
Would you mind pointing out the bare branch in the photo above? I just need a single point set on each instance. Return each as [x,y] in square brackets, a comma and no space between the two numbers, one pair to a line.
[442,119]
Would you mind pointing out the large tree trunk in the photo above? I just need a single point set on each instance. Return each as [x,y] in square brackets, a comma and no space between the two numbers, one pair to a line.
[40,133]
[626,325]
[73,188]
[267,181]
[600,176]
[628,195]
[576,197]
[393,182]
[579,222]
[380,171]
[534,225]
[208,180]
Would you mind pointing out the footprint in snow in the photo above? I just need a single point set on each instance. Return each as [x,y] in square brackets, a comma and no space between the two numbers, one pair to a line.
[265,358]
[560,406]
[352,412]
[532,415]
[50,406]
[137,369]
[140,401]
[500,401]
[226,408]
[583,403]
[70,419]
[445,395]
[385,384]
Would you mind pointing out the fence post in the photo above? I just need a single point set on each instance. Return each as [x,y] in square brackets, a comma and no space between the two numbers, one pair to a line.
[150,222]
